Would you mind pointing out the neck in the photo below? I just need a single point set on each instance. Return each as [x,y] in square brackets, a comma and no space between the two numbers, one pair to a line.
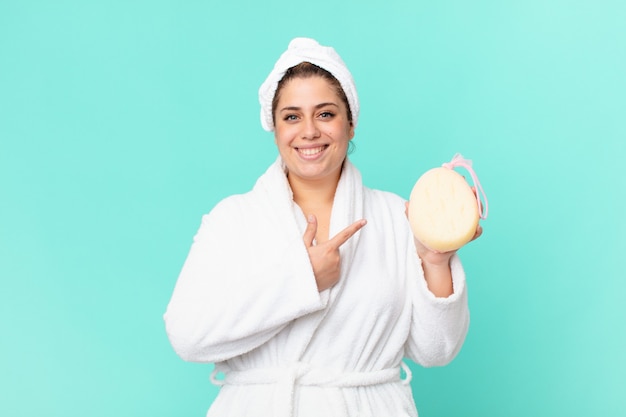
[314,192]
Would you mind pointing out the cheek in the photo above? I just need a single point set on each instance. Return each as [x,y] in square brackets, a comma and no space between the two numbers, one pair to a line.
[282,137]
[341,134]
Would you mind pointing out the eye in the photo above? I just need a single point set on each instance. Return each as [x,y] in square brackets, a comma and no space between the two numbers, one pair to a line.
[290,117]
[327,114]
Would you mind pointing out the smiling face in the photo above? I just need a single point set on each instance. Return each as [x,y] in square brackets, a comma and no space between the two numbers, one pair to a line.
[312,130]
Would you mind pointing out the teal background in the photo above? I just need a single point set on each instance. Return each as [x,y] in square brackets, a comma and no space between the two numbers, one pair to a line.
[122,122]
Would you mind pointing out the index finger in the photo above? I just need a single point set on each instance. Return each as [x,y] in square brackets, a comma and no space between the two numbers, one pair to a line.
[341,237]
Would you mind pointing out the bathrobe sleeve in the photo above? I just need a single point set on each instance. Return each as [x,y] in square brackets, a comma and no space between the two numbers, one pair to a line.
[438,325]
[435,328]
[241,283]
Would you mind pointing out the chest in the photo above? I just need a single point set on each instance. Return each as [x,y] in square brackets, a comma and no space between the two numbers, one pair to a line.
[322,215]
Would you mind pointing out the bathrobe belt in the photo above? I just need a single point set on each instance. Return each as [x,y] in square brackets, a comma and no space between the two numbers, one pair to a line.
[302,374]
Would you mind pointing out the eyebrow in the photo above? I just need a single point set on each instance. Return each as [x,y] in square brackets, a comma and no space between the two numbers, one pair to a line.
[318,106]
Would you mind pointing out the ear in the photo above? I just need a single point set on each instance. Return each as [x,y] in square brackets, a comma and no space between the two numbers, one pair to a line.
[351,131]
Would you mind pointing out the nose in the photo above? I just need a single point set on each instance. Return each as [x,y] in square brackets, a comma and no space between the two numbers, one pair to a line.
[310,129]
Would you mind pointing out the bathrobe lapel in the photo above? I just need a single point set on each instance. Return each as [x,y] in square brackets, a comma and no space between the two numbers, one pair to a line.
[290,221]
[347,208]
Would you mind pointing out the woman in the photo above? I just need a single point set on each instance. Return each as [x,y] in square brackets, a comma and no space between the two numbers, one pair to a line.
[309,290]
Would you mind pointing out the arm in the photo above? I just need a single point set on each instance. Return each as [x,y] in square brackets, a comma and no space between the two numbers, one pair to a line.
[440,308]
[240,285]
[439,325]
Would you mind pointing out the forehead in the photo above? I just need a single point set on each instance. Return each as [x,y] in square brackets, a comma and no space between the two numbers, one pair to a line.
[308,89]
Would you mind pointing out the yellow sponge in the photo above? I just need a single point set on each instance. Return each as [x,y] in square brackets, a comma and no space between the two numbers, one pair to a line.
[443,210]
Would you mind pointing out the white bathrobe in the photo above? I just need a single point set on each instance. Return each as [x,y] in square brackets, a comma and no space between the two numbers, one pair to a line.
[247,300]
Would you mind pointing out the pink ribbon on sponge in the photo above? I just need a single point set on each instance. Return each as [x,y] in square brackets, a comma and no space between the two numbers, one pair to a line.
[459,161]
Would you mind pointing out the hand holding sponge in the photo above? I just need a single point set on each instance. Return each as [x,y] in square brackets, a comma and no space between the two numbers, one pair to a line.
[443,209]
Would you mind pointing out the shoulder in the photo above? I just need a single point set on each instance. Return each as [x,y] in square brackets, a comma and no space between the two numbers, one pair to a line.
[232,202]
[380,198]
[385,208]
[227,219]
[235,206]
[248,202]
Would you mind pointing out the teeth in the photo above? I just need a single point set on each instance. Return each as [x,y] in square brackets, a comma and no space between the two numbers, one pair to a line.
[311,151]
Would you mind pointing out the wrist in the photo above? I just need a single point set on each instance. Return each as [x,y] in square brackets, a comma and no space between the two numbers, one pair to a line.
[436,260]
[438,277]
[440,266]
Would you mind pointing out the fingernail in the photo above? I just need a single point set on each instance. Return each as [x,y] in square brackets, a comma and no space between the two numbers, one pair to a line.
[311,219]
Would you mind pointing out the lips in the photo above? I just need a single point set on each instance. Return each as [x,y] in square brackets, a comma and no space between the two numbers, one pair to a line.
[311,151]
